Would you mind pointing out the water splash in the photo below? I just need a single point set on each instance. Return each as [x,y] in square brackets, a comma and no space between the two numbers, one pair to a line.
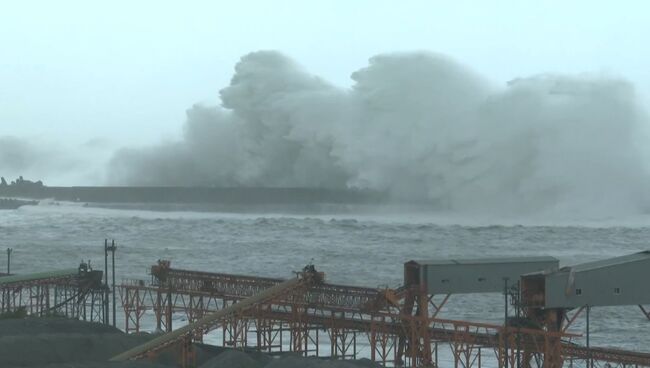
[419,126]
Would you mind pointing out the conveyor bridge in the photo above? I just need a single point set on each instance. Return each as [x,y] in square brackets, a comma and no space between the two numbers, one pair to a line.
[396,327]
[73,293]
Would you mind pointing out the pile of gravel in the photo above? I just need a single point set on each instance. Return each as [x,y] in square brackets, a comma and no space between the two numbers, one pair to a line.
[33,326]
[66,343]
[239,359]
[60,342]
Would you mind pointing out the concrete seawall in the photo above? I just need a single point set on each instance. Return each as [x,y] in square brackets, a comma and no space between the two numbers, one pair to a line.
[239,196]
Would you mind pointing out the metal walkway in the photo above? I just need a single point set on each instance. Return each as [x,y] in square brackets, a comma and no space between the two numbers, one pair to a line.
[73,293]
[278,291]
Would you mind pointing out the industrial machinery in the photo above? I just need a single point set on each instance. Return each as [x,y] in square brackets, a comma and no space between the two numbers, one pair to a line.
[75,293]
[401,327]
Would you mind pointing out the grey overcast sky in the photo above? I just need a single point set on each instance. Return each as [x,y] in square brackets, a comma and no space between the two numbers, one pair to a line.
[126,71]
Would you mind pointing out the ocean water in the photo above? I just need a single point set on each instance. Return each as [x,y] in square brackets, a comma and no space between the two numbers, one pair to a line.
[367,247]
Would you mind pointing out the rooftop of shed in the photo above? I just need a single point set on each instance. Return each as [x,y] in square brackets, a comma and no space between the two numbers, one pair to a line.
[635,257]
[496,260]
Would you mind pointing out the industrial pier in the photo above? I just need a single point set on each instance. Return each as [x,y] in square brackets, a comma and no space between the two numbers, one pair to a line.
[74,293]
[400,327]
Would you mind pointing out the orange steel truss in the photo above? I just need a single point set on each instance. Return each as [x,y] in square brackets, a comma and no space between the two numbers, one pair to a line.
[73,296]
[401,328]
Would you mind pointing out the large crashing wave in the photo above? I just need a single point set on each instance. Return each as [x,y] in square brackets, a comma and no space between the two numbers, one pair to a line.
[417,125]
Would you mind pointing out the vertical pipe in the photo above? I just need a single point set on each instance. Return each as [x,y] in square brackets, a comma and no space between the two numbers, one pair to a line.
[9,250]
[105,301]
[589,360]
[518,306]
[113,287]
[436,357]
[159,311]
[423,333]
[505,322]
[169,311]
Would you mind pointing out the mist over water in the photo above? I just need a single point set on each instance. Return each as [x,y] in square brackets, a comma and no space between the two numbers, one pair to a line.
[42,158]
[419,126]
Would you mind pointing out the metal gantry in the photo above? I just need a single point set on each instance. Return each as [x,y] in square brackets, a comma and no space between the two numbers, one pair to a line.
[400,327]
[74,293]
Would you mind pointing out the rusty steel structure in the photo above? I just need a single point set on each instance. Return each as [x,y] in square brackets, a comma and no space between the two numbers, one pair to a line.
[282,291]
[396,327]
[74,293]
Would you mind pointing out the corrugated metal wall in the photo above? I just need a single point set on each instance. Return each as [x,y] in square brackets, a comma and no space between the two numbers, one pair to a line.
[620,284]
[487,277]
